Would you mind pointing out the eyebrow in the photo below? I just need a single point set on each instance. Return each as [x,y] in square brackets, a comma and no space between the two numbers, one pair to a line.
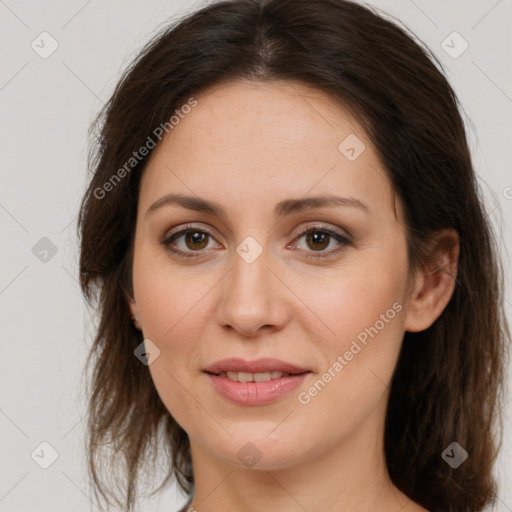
[281,209]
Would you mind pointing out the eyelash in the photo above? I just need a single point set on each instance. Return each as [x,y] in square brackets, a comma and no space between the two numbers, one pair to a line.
[343,240]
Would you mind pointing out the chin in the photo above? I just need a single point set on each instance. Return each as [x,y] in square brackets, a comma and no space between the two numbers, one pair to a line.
[263,453]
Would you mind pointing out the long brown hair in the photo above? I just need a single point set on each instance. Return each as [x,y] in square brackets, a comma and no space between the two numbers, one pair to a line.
[449,381]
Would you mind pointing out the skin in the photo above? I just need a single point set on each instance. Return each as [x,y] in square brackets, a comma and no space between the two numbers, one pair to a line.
[247,146]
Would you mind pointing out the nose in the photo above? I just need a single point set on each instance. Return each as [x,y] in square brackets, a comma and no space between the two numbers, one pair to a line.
[253,298]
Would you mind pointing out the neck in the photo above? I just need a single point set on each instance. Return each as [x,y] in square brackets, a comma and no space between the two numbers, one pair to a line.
[351,476]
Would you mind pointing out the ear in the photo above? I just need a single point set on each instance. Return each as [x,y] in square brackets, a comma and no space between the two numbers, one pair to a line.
[135,313]
[435,283]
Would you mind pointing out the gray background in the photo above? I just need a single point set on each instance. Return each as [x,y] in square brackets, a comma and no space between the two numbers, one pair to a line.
[46,107]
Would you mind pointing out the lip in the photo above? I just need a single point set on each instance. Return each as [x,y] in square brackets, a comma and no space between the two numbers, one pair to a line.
[265,364]
[255,393]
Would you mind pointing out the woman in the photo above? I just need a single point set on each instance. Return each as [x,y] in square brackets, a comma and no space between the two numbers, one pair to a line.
[299,292]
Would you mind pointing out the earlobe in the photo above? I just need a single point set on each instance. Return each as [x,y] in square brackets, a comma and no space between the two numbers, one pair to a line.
[135,313]
[435,284]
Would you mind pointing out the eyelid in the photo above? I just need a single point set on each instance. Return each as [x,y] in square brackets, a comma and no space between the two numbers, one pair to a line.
[179,231]
[321,226]
[343,239]
[187,226]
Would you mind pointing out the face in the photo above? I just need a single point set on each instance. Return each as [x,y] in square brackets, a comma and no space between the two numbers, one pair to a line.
[319,286]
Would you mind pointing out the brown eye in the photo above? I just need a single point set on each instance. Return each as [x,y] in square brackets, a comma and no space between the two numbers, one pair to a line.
[317,239]
[187,241]
[196,240]
[192,242]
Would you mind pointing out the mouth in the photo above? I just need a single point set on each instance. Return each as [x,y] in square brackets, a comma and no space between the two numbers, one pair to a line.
[255,382]
[254,377]
[260,370]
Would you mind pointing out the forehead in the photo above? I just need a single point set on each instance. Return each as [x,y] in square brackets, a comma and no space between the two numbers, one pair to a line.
[278,114]
[261,140]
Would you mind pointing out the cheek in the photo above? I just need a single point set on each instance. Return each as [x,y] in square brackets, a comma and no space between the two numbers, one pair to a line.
[363,314]
[349,303]
[358,360]
[167,295]
[174,316]
[171,304]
